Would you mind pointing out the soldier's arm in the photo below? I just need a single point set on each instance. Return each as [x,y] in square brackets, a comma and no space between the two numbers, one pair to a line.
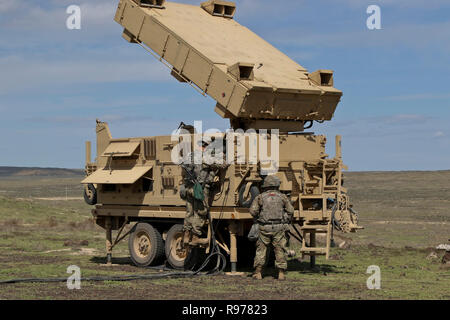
[288,207]
[255,208]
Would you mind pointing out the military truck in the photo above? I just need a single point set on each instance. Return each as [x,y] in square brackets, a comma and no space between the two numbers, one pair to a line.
[258,88]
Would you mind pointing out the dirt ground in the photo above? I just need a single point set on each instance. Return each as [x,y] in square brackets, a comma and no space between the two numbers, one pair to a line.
[45,227]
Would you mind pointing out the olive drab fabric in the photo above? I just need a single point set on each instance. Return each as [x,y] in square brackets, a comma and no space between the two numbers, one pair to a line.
[273,212]
[196,213]
[253,234]
[199,179]
[272,207]
[271,181]
[183,192]
[279,242]
[204,173]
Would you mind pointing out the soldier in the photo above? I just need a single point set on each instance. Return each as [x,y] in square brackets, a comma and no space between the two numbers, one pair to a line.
[198,185]
[273,211]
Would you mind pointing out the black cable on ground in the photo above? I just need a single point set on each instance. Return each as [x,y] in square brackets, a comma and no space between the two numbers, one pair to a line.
[215,251]
[220,266]
[106,278]
[173,274]
[215,247]
[214,271]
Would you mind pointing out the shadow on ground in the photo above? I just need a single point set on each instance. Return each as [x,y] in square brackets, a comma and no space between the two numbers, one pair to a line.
[118,260]
[305,267]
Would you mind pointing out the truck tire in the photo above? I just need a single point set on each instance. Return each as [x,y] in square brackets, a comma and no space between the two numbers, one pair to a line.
[253,193]
[146,245]
[184,261]
[90,195]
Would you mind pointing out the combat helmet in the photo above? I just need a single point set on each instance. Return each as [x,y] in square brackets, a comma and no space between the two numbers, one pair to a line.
[271,181]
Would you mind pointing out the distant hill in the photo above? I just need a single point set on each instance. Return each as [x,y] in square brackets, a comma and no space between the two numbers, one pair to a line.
[27,171]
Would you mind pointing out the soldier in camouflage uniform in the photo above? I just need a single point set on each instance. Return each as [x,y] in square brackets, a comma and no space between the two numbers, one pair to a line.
[196,209]
[273,211]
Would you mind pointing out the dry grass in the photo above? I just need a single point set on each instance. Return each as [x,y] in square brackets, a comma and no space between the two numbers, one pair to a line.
[406,214]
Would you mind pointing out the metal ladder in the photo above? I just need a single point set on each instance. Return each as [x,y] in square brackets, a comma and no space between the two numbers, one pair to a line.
[311,250]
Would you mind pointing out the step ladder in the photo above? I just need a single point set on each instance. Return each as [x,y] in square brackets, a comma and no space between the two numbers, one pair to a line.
[309,231]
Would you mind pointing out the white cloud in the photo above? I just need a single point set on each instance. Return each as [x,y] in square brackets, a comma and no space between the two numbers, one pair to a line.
[263,8]
[382,122]
[396,142]
[48,23]
[423,4]
[413,97]
[415,36]
[379,128]
[404,119]
[98,13]
[10,5]
[20,74]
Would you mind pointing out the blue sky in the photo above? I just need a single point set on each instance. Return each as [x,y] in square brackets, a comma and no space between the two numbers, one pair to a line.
[394,114]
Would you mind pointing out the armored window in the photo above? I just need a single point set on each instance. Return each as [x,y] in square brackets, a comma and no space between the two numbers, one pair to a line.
[218,9]
[245,72]
[242,71]
[322,78]
[326,79]
[229,11]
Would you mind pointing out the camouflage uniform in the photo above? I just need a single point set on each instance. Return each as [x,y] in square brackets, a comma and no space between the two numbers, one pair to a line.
[273,212]
[197,210]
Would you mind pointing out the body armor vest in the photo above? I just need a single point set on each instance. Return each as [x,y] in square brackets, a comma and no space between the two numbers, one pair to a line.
[272,204]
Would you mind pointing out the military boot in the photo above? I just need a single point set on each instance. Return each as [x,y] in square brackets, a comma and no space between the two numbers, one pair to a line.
[196,240]
[258,273]
[281,274]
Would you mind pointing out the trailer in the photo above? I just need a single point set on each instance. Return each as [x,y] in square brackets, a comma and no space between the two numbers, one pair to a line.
[261,91]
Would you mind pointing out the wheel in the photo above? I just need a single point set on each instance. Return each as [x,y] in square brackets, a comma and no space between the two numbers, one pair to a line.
[247,202]
[181,260]
[90,194]
[146,245]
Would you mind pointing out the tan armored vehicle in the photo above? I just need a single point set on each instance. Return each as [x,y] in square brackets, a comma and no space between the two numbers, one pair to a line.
[134,180]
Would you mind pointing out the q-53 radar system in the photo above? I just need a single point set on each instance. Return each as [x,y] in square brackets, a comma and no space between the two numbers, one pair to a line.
[256,87]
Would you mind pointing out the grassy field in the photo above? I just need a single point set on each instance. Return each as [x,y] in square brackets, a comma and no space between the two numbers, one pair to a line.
[46,227]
